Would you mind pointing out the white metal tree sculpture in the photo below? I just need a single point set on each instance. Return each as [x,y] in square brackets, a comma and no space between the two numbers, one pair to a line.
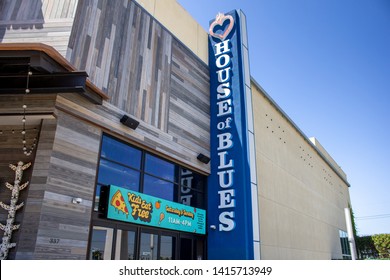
[9,227]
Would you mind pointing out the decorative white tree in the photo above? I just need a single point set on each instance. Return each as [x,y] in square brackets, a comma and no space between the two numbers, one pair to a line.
[12,208]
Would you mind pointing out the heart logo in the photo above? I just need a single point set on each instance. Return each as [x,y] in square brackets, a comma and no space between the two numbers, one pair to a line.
[219,22]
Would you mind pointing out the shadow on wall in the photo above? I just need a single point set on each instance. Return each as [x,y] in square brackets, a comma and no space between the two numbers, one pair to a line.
[20,14]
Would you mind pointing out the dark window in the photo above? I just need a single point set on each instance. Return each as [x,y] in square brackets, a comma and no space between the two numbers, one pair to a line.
[192,188]
[100,243]
[111,173]
[125,244]
[148,246]
[160,168]
[120,152]
[167,247]
[345,249]
[160,188]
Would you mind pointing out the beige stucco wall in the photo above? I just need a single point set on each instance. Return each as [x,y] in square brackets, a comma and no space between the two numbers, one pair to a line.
[301,198]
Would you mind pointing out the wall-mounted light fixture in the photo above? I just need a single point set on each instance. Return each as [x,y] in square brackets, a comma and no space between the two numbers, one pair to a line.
[203,158]
[129,122]
[77,200]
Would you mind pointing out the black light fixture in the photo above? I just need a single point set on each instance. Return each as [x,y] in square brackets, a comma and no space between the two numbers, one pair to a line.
[130,122]
[203,158]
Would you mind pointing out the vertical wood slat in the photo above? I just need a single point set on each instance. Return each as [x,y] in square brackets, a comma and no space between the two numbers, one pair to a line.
[189,109]
[128,57]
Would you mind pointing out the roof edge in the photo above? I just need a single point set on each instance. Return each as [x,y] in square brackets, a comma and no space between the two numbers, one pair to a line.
[277,107]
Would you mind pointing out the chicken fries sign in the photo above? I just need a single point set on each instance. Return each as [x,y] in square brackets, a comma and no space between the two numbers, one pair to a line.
[134,207]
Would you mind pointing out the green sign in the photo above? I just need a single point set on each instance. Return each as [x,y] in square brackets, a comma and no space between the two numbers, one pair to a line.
[134,207]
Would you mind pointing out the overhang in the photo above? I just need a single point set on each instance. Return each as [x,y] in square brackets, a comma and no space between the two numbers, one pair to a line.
[50,72]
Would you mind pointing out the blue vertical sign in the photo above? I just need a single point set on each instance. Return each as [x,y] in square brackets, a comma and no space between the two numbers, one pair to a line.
[229,187]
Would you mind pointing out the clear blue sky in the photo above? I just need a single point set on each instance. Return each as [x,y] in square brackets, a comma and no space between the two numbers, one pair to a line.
[327,64]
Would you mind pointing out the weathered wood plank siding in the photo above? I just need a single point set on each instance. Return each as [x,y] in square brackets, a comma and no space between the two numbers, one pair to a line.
[148,74]
[36,104]
[65,168]
[189,103]
[41,21]
[127,54]
[36,190]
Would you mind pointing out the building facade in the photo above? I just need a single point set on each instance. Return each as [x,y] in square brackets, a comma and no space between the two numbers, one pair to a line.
[132,158]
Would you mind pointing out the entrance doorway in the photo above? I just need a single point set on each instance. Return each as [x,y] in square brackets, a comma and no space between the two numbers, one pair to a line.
[191,247]
[128,242]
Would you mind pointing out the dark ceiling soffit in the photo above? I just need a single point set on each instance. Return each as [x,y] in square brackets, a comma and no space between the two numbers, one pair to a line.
[44,83]
[66,82]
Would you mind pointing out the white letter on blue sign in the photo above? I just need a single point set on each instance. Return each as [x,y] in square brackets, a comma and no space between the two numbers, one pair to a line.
[225,141]
[222,61]
[226,221]
[222,47]
[224,89]
[221,176]
[224,107]
[222,161]
[226,199]
[224,75]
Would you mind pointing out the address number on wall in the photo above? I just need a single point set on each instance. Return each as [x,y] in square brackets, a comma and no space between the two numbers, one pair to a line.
[54,240]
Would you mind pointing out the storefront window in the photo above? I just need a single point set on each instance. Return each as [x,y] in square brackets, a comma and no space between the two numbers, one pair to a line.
[120,152]
[148,246]
[125,245]
[114,174]
[159,188]
[191,188]
[101,243]
[167,248]
[160,168]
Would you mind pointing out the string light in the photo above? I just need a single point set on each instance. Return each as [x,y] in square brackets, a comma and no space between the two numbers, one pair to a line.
[24,131]
[27,151]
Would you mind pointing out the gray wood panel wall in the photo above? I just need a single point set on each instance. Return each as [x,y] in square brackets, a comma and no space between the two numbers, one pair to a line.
[40,21]
[127,54]
[36,191]
[65,167]
[147,73]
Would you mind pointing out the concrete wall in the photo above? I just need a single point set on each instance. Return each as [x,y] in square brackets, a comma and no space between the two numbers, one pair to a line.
[301,198]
